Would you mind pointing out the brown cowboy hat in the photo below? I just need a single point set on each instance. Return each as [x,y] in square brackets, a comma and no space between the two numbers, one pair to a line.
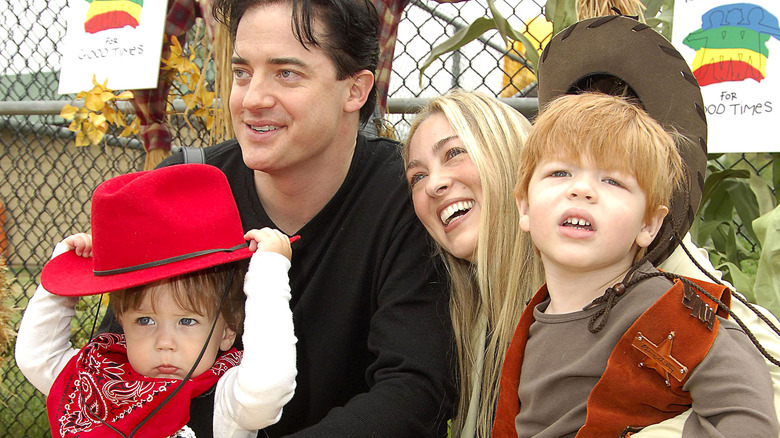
[618,55]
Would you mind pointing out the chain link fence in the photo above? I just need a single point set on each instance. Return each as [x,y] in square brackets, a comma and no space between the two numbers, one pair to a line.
[47,182]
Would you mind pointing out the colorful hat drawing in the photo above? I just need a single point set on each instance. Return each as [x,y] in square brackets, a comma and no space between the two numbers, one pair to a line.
[112,14]
[731,44]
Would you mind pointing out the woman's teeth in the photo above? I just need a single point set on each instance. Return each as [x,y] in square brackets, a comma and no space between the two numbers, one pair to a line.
[455,210]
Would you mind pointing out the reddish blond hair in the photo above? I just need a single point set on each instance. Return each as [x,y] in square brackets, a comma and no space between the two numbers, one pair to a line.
[613,133]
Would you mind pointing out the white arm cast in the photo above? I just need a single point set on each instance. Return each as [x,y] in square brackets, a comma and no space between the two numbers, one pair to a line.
[251,395]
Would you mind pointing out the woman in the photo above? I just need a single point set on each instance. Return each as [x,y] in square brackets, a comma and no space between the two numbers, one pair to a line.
[461,166]
[461,157]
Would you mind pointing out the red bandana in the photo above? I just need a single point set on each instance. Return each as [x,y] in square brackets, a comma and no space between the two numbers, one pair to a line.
[99,384]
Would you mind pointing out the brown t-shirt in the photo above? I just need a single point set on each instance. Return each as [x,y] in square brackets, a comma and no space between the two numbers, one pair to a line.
[563,360]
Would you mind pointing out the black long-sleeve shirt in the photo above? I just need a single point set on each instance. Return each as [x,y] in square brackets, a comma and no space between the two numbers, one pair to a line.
[375,355]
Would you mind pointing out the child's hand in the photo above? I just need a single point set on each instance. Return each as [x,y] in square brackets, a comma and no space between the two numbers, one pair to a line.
[81,242]
[268,239]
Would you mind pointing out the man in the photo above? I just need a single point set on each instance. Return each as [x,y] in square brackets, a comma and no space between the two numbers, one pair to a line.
[374,343]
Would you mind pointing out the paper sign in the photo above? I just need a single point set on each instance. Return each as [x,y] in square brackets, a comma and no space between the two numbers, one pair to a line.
[733,50]
[118,40]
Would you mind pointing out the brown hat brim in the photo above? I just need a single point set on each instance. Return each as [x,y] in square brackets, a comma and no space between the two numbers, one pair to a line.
[625,49]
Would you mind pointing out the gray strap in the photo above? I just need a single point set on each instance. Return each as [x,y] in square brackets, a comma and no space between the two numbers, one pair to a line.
[193,155]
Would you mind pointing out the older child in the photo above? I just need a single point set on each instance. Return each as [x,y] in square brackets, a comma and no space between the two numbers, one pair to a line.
[169,246]
[595,178]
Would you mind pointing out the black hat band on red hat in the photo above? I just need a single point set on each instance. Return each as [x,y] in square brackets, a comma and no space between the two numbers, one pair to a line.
[168,260]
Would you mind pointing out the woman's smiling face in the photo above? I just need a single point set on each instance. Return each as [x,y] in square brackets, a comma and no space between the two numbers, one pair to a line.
[446,187]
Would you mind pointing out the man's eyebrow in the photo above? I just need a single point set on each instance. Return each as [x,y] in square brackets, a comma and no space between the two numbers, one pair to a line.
[238,60]
[286,61]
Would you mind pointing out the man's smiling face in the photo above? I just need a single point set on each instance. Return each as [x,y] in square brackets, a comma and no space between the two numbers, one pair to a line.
[286,103]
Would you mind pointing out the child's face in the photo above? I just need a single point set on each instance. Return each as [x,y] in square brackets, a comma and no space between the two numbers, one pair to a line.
[446,188]
[584,219]
[164,342]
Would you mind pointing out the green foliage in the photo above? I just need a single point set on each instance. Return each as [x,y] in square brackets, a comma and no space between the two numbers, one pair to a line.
[658,14]
[766,289]
[477,29]
[561,13]
[92,309]
[22,407]
[739,227]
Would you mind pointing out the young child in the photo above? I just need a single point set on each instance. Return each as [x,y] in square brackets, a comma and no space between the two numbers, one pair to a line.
[595,178]
[169,246]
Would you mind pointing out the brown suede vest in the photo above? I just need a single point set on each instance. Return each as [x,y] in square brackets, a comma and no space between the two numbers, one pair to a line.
[629,396]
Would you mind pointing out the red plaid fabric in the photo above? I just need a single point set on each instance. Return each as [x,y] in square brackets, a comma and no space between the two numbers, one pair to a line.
[390,12]
[150,104]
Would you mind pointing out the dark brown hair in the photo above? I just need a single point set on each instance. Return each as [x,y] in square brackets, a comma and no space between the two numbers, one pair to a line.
[350,33]
[199,292]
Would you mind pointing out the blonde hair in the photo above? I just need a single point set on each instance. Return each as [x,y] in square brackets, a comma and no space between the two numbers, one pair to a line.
[199,292]
[613,133]
[506,271]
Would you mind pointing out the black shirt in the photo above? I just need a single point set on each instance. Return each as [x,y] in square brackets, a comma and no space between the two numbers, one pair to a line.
[374,352]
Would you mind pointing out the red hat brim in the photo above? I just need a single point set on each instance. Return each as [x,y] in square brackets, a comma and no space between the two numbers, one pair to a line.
[71,275]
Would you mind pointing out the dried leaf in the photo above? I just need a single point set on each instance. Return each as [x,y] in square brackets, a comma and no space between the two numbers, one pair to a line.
[81,114]
[112,116]
[95,136]
[136,125]
[68,112]
[93,102]
[97,119]
[81,139]
[176,48]
[127,132]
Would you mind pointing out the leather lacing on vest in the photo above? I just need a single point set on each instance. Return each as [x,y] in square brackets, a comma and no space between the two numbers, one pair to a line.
[613,294]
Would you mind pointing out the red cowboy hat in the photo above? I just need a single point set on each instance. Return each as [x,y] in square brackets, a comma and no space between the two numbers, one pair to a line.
[152,225]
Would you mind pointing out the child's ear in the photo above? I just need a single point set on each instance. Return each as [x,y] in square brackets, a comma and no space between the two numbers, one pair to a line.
[228,338]
[651,227]
[525,221]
